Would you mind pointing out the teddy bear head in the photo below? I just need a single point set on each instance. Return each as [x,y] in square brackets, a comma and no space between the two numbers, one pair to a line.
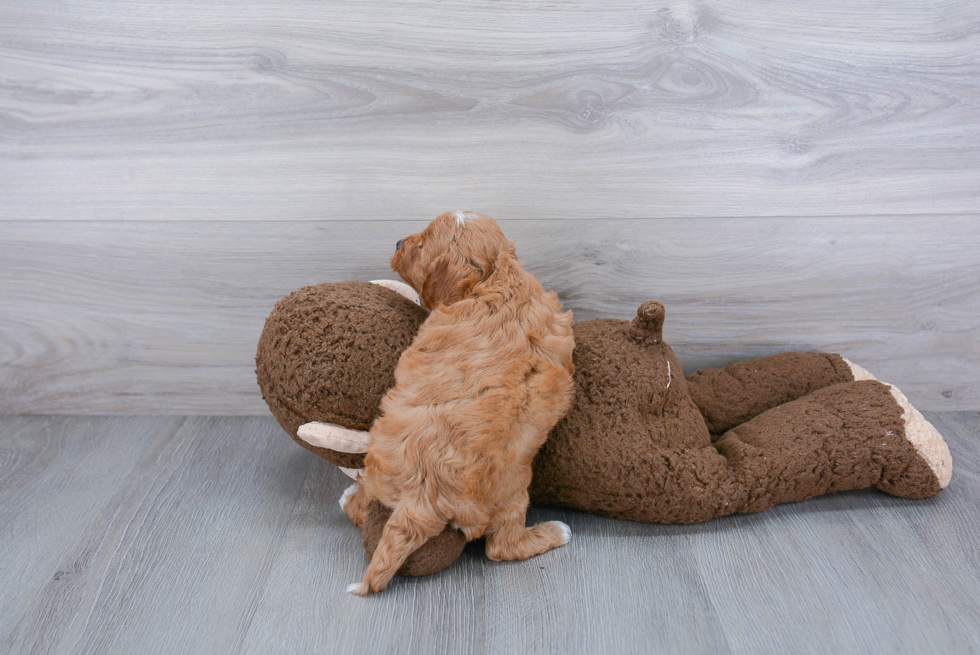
[328,353]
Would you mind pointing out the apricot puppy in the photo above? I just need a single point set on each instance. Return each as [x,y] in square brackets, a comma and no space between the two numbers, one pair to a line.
[475,396]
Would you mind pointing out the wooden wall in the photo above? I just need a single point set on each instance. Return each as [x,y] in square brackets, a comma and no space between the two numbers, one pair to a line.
[782,175]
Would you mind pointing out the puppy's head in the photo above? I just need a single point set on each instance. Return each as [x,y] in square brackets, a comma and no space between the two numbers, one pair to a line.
[448,258]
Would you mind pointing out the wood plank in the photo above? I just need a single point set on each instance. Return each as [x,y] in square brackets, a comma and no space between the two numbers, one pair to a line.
[304,607]
[617,587]
[829,576]
[221,535]
[853,572]
[120,317]
[175,559]
[933,539]
[594,595]
[381,109]
[56,476]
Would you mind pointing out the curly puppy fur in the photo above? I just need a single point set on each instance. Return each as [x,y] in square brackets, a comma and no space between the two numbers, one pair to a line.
[475,396]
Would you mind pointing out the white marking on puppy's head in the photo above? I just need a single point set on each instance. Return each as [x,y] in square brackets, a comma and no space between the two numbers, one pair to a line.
[461,217]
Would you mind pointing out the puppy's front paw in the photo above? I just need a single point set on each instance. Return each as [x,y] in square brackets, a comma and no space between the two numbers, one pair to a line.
[348,492]
[357,588]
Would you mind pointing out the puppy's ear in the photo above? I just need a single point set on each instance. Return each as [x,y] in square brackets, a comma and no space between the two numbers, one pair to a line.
[448,281]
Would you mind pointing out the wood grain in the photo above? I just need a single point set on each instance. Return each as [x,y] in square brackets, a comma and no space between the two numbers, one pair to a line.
[179,553]
[895,561]
[150,317]
[304,607]
[57,476]
[203,535]
[247,110]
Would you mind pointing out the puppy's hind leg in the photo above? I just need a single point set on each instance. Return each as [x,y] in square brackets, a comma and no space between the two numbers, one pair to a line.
[408,528]
[509,539]
[355,503]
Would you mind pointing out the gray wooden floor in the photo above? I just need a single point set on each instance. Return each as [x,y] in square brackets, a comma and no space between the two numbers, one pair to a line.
[185,535]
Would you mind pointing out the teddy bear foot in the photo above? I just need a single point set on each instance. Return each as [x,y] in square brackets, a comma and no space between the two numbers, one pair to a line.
[933,469]
[915,481]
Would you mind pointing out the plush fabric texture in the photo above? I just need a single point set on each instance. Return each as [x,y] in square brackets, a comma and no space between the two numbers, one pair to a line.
[633,448]
[732,395]
[641,441]
[328,353]
[842,437]
[433,556]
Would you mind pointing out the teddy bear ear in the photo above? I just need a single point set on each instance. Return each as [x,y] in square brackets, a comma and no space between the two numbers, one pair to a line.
[338,445]
[334,437]
[648,325]
[400,288]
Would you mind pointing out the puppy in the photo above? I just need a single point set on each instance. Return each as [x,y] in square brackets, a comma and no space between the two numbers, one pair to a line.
[475,396]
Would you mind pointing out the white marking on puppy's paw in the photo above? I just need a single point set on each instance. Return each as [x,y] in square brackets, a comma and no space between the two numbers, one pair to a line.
[565,531]
[344,496]
[357,588]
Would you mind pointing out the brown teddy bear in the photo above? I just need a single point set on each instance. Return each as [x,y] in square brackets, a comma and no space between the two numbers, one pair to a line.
[641,441]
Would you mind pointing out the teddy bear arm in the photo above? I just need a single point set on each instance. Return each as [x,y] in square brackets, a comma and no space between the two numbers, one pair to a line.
[730,396]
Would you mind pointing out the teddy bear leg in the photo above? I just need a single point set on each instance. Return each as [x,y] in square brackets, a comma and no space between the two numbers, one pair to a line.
[433,556]
[852,435]
[730,396]
[406,530]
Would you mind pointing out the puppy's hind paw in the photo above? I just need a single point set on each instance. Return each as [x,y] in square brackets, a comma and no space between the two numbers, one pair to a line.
[565,531]
[357,588]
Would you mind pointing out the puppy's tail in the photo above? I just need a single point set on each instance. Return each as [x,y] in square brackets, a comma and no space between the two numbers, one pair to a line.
[407,529]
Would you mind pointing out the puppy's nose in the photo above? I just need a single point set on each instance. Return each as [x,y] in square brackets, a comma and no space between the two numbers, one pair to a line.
[399,244]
